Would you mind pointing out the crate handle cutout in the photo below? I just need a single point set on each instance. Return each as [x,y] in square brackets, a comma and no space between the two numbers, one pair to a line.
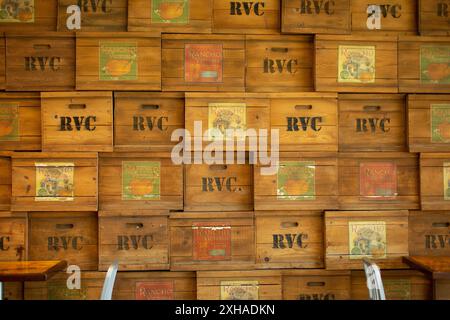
[38,46]
[303,107]
[371,108]
[218,167]
[64,226]
[279,49]
[77,106]
[440,224]
[289,224]
[137,225]
[315,284]
[150,106]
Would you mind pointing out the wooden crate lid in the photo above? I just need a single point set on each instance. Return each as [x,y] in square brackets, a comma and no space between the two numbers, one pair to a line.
[294,38]
[361,38]
[20,95]
[315,272]
[10,214]
[406,38]
[6,154]
[149,95]
[371,96]
[41,34]
[77,94]
[155,275]
[133,213]
[306,154]
[54,155]
[212,215]
[225,95]
[144,155]
[378,214]
[238,274]
[435,156]
[287,214]
[202,37]
[380,155]
[123,34]
[62,215]
[301,95]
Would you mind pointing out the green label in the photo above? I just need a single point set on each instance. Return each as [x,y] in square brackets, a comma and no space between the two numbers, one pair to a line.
[440,123]
[118,61]
[9,122]
[170,11]
[296,180]
[141,180]
[397,289]
[435,64]
[21,11]
[59,291]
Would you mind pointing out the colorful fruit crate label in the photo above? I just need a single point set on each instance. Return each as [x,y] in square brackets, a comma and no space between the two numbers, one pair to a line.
[154,290]
[296,180]
[170,11]
[227,116]
[141,180]
[435,64]
[54,181]
[203,63]
[9,122]
[397,289]
[239,290]
[21,11]
[378,180]
[367,239]
[211,241]
[446,180]
[356,64]
[59,291]
[440,123]
[118,61]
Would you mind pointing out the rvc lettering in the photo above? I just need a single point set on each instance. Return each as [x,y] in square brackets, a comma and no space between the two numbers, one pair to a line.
[4,240]
[373,125]
[280,65]
[317,296]
[385,10]
[211,184]
[127,242]
[437,241]
[303,123]
[77,123]
[142,123]
[42,63]
[316,7]
[246,8]
[65,243]
[284,241]
[95,5]
[442,9]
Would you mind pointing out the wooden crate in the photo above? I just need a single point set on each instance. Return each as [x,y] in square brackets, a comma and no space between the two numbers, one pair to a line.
[139,181]
[239,285]
[378,181]
[2,61]
[429,233]
[178,16]
[434,17]
[369,122]
[279,63]
[376,63]
[434,168]
[155,286]
[246,17]
[429,123]
[5,180]
[38,15]
[196,62]
[118,61]
[13,236]
[12,291]
[20,121]
[218,187]
[423,64]
[316,285]
[398,285]
[69,236]
[292,239]
[104,15]
[390,17]
[75,175]
[331,17]
[302,181]
[43,61]
[145,121]
[306,121]
[212,241]
[56,287]
[77,121]
[137,240]
[350,236]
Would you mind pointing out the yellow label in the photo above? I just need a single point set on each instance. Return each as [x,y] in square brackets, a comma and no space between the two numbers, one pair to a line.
[356,64]
[239,290]
[54,181]
[227,121]
[367,239]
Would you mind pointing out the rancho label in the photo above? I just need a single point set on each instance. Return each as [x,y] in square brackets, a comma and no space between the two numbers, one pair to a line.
[141,180]
[170,11]
[367,239]
[296,180]
[9,122]
[356,64]
[397,289]
[239,290]
[118,61]
[440,123]
[378,180]
[21,11]
[446,168]
[54,181]
[211,241]
[154,290]
[226,118]
[203,63]
[435,64]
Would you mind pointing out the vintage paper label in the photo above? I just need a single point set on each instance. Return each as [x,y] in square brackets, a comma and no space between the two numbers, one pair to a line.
[21,11]
[446,180]
[141,180]
[154,290]
[397,289]
[118,61]
[170,11]
[59,291]
[367,239]
[203,63]
[378,180]
[239,290]
[227,116]
[440,123]
[211,241]
[54,181]
[356,64]
[9,122]
[435,64]
[296,180]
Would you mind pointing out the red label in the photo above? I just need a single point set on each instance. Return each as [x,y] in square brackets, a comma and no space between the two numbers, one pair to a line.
[378,180]
[203,63]
[154,290]
[211,242]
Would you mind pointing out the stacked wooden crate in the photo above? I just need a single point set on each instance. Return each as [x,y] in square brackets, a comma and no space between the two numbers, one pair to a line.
[361,102]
